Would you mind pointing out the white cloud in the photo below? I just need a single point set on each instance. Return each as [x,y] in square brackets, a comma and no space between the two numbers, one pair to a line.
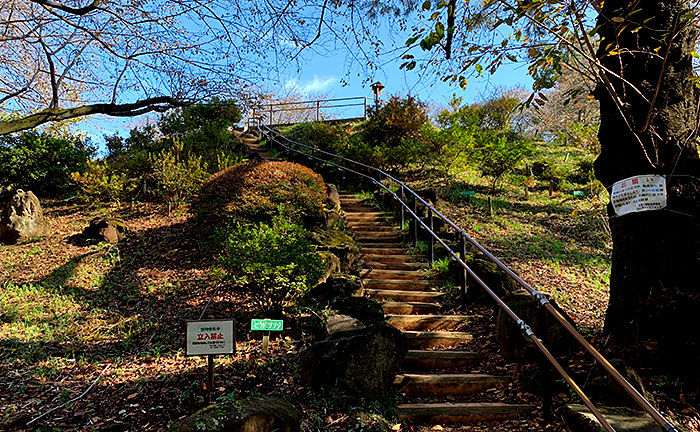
[314,86]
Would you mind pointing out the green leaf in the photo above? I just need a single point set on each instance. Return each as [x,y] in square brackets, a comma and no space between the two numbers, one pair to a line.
[695,54]
[426,5]
[410,41]
[439,29]
[478,68]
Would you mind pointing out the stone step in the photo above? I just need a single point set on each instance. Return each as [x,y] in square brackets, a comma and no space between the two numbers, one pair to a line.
[380,238]
[434,339]
[366,223]
[350,199]
[367,215]
[393,274]
[361,230]
[385,251]
[396,285]
[403,296]
[437,360]
[390,245]
[427,322]
[393,307]
[395,265]
[447,384]
[389,258]
[452,413]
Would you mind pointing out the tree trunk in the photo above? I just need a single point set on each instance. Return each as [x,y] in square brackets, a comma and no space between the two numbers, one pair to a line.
[654,289]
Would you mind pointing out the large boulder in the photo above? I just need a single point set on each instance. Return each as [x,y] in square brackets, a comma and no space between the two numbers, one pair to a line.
[22,218]
[104,229]
[513,343]
[265,414]
[579,419]
[360,363]
[365,309]
[333,288]
[339,244]
[341,323]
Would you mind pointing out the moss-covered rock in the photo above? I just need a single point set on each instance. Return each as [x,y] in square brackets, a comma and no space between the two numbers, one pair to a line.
[265,414]
[340,244]
[365,309]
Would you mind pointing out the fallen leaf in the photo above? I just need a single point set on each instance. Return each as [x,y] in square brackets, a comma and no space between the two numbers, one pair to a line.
[396,427]
[437,427]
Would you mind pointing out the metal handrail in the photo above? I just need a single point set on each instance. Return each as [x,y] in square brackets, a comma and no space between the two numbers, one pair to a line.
[665,424]
[312,105]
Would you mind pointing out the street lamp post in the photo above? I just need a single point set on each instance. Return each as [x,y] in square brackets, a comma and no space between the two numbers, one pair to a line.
[377,91]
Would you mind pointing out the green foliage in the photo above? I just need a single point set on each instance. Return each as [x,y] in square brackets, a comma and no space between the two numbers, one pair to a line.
[276,263]
[254,191]
[178,175]
[41,162]
[325,136]
[100,182]
[395,135]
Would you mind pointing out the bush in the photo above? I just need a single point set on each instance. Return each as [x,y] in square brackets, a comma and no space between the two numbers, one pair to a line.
[41,162]
[255,191]
[545,169]
[178,177]
[325,136]
[276,264]
[100,183]
[499,153]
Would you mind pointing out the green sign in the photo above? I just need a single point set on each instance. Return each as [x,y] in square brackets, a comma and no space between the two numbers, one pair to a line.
[266,325]
[468,193]
[579,193]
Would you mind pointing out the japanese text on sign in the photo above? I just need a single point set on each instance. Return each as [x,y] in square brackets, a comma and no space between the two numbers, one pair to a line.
[210,337]
[266,325]
[639,193]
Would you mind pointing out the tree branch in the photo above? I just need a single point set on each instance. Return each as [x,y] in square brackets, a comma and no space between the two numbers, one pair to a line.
[75,11]
[159,104]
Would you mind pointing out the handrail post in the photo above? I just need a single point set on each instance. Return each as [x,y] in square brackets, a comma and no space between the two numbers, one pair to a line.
[271,123]
[402,197]
[415,221]
[463,278]
[342,178]
[365,108]
[318,110]
[431,239]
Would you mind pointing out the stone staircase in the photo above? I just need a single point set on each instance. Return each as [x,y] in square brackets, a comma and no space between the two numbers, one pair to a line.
[253,143]
[434,369]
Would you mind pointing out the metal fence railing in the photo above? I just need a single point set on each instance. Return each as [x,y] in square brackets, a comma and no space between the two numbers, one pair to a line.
[275,114]
[409,201]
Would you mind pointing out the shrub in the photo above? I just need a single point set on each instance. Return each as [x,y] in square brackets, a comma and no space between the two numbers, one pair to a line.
[100,183]
[41,162]
[178,177]
[325,136]
[499,153]
[545,169]
[255,191]
[276,263]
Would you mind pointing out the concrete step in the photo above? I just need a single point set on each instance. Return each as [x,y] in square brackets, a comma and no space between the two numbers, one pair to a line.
[396,285]
[438,360]
[393,307]
[389,258]
[393,274]
[447,384]
[452,413]
[427,322]
[403,296]
[434,339]
[394,265]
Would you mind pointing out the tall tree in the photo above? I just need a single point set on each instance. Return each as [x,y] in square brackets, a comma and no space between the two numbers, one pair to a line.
[63,59]
[639,56]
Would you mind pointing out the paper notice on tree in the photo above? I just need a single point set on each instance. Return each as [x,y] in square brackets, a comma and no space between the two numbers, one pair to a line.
[639,193]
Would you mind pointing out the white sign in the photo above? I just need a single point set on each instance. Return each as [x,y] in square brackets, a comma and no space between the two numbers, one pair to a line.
[639,193]
[209,337]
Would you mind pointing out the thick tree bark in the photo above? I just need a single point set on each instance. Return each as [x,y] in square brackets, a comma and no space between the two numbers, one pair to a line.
[654,287]
[160,104]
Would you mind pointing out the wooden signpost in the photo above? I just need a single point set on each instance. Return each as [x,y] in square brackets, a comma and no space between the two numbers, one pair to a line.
[210,338]
[266,325]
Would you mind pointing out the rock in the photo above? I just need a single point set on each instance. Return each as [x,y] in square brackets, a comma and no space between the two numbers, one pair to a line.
[513,343]
[333,288]
[361,363]
[22,218]
[579,419]
[495,278]
[332,263]
[338,323]
[339,244]
[365,309]
[332,218]
[265,414]
[105,229]
[333,200]
[601,388]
